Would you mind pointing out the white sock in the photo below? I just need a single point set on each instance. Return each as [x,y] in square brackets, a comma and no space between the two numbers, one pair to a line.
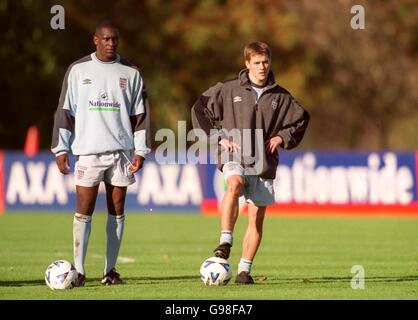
[244,265]
[114,231]
[81,234]
[226,236]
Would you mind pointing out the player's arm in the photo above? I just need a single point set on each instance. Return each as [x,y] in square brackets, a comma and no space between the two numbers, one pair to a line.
[64,123]
[207,114]
[294,121]
[141,126]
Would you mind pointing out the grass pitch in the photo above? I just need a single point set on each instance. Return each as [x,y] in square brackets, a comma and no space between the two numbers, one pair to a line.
[299,258]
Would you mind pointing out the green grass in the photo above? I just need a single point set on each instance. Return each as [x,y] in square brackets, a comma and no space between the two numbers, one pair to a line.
[299,258]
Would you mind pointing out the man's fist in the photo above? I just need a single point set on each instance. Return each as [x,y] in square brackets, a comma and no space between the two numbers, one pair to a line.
[63,163]
[137,164]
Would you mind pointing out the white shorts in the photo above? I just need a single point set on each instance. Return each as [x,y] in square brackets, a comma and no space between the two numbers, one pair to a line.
[111,167]
[257,191]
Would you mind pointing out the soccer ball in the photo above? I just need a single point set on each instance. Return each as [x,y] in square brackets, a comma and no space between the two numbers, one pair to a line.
[215,271]
[60,274]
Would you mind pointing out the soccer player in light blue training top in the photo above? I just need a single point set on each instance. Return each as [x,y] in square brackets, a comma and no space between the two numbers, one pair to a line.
[103,118]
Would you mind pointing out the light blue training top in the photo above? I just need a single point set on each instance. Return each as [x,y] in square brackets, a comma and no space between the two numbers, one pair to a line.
[103,107]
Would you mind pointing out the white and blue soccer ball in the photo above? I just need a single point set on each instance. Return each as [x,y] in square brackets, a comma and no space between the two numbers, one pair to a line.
[61,274]
[215,271]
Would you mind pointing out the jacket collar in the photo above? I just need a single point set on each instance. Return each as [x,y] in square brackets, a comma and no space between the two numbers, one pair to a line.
[245,80]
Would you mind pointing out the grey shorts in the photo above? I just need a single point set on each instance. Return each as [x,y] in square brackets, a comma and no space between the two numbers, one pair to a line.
[111,167]
[256,191]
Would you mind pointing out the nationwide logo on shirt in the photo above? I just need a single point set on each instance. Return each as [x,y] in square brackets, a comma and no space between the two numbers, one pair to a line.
[104,106]
[122,83]
[87,81]
[237,99]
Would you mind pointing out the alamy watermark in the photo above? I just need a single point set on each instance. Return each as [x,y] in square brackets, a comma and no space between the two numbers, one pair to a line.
[358,21]
[204,147]
[359,278]
[58,20]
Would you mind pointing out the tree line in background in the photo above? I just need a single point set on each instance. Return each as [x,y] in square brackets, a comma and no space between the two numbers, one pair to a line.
[358,85]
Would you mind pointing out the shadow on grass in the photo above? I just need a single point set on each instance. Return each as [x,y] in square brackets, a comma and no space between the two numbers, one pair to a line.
[342,279]
[22,283]
[150,280]
[258,280]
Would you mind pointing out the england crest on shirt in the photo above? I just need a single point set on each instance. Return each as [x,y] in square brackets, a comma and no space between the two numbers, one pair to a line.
[122,83]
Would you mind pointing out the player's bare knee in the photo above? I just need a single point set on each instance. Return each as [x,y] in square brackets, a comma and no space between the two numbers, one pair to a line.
[116,203]
[85,208]
[116,208]
[85,204]
[234,186]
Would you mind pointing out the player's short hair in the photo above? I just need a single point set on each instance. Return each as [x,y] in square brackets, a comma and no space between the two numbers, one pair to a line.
[105,24]
[257,47]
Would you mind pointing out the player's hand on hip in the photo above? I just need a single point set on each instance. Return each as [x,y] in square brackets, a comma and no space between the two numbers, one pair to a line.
[273,144]
[63,163]
[137,164]
[229,146]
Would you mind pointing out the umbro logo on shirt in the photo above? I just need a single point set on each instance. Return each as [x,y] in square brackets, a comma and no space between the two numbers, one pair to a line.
[237,99]
[87,81]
